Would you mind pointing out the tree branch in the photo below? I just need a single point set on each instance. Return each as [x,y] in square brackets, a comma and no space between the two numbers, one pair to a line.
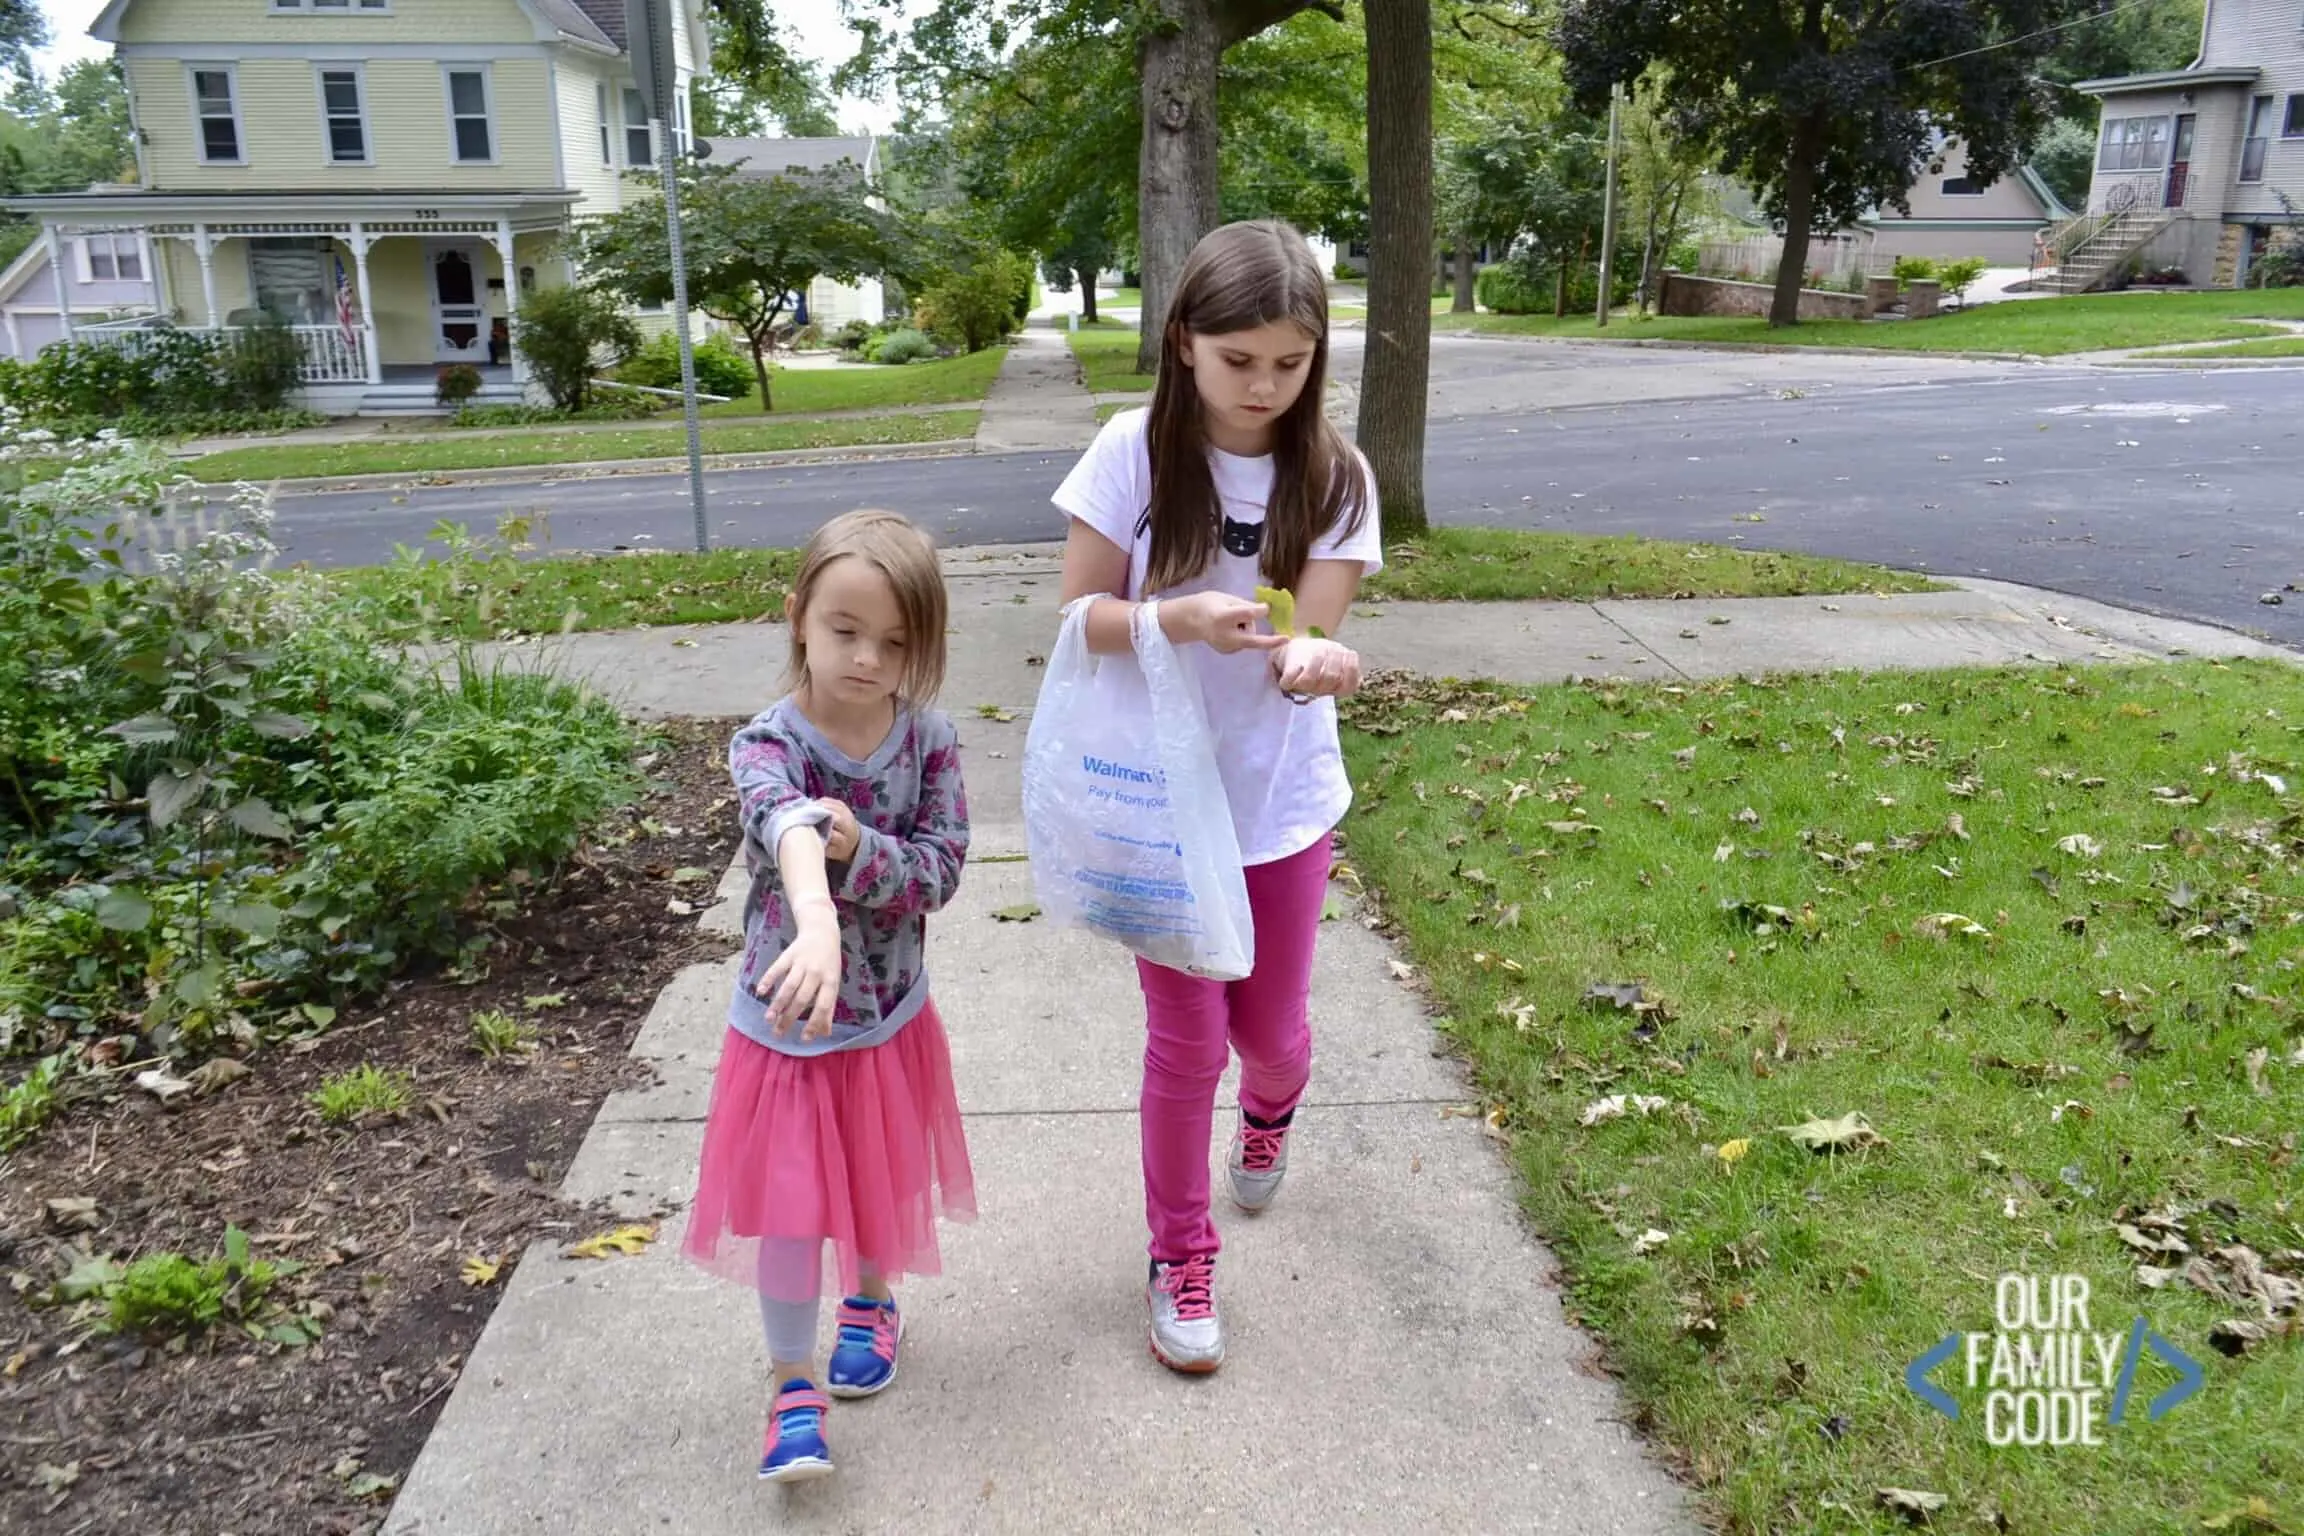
[1239,20]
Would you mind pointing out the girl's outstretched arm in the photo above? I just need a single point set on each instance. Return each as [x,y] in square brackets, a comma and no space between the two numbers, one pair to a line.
[1093,563]
[905,876]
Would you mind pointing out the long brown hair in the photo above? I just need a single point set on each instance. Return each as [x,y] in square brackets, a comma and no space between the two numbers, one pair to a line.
[899,551]
[1238,278]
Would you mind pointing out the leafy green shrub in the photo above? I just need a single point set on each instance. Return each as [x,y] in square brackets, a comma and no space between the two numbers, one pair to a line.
[147,427]
[720,368]
[1959,276]
[1504,288]
[853,336]
[1915,269]
[569,334]
[162,374]
[226,802]
[903,346]
[457,383]
[350,1096]
[977,300]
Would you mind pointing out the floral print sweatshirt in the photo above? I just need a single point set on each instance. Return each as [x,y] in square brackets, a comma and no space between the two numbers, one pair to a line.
[912,817]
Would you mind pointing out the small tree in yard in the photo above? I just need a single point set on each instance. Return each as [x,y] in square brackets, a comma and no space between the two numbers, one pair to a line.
[969,297]
[752,245]
[569,334]
[1826,110]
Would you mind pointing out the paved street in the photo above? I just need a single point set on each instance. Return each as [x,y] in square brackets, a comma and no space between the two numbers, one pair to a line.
[2170,491]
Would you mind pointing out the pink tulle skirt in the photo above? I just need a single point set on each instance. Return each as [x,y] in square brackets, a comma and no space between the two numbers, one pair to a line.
[859,1150]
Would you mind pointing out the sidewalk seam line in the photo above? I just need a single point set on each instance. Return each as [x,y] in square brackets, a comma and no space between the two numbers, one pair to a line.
[1618,625]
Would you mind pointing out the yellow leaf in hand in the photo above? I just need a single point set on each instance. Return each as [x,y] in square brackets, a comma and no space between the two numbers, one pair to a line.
[1283,606]
[482,1271]
[625,1240]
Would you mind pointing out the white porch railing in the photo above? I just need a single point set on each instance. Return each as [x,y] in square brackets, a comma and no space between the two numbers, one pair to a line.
[328,355]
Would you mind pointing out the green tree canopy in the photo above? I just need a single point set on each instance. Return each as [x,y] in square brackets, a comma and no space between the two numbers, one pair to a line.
[1826,111]
[752,244]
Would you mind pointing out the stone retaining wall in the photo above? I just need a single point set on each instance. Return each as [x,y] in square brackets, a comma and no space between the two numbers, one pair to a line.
[1685,295]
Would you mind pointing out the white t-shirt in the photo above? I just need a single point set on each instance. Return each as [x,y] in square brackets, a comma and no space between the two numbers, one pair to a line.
[1282,768]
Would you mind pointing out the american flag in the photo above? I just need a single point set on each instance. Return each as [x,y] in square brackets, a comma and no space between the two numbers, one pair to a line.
[347,313]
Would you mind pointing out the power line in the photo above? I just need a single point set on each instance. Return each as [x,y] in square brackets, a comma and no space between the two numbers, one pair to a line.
[2010,42]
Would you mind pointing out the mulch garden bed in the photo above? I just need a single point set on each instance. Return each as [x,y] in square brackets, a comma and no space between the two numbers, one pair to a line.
[221,1433]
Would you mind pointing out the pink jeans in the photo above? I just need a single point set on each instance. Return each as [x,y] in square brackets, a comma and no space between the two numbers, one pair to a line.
[1192,1025]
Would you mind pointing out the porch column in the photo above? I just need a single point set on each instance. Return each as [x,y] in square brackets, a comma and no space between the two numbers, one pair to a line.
[205,249]
[511,298]
[15,341]
[63,279]
[371,355]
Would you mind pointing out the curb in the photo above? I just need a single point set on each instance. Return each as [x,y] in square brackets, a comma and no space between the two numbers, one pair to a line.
[531,474]
[1664,345]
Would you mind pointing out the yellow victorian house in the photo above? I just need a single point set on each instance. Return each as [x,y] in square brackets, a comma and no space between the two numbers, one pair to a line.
[388,176]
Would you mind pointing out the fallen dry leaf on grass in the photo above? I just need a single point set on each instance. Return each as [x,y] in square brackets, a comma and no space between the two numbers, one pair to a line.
[1616,1105]
[1914,1504]
[1845,1134]
[629,1239]
[481,1270]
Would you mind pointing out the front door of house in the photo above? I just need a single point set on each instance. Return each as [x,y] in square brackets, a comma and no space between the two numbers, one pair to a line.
[459,315]
[2180,162]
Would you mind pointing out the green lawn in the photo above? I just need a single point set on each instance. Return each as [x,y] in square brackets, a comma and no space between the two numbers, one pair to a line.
[480,597]
[2039,327]
[2036,926]
[2284,346]
[861,386]
[1441,305]
[413,456]
[1498,565]
[1108,359]
[494,596]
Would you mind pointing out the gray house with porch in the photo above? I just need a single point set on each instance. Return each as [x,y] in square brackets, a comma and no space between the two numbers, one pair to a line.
[2196,167]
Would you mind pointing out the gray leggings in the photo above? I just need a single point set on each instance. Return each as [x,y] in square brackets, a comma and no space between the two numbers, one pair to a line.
[791,1283]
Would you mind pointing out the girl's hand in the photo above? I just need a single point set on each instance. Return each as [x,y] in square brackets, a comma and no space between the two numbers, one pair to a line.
[1316,668]
[1218,620]
[842,836]
[806,977]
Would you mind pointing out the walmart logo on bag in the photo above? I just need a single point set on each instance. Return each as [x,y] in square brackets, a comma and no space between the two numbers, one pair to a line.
[1104,770]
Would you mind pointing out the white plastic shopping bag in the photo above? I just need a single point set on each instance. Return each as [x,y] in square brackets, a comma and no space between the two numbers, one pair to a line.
[1129,831]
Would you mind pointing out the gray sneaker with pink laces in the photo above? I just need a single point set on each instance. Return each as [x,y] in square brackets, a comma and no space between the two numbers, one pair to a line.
[1257,1163]
[1187,1335]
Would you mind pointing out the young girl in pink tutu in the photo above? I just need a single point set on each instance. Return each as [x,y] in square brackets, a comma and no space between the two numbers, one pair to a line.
[833,1117]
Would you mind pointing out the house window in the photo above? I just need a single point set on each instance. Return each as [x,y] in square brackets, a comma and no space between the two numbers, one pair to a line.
[2253,148]
[469,130]
[289,278]
[639,143]
[115,258]
[2134,144]
[1961,186]
[214,103]
[342,117]
[607,134]
[2292,125]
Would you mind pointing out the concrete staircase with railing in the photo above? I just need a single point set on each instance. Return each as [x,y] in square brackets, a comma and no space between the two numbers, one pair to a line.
[2089,249]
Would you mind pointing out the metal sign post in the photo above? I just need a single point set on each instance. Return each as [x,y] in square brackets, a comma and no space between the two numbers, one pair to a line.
[1608,208]
[648,38]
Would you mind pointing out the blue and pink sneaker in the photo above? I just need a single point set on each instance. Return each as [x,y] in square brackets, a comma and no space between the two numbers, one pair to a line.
[864,1359]
[796,1450]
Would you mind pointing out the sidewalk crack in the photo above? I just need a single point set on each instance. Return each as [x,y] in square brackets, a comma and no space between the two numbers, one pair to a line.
[1620,628]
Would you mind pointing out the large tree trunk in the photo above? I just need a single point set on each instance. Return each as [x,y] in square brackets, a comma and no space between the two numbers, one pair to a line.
[759,343]
[1176,162]
[1799,213]
[1087,295]
[1396,371]
[1467,286]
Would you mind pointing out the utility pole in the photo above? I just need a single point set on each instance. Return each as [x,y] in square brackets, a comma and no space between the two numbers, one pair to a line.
[648,35]
[1608,209]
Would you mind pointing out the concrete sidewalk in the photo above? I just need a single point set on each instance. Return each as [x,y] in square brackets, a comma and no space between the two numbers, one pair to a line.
[1039,401]
[1391,1299]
